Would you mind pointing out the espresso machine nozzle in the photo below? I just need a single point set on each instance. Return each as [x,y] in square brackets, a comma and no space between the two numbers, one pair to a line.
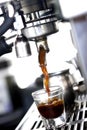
[42,42]
[35,19]
[41,21]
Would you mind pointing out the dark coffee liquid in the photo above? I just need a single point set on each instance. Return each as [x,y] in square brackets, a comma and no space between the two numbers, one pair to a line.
[41,58]
[52,109]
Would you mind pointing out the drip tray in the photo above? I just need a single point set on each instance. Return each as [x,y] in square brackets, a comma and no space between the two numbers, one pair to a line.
[76,117]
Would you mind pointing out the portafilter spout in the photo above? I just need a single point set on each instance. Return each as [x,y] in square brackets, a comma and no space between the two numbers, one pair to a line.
[42,42]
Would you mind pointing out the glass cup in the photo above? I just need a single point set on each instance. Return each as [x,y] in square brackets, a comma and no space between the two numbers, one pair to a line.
[51,107]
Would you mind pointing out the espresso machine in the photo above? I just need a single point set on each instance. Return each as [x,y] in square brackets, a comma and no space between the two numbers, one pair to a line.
[27,20]
[35,20]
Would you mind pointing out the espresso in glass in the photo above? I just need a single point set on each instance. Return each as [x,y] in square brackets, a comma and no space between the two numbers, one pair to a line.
[51,107]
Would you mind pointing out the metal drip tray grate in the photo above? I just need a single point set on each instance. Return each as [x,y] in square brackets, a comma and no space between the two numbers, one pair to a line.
[77,120]
[76,117]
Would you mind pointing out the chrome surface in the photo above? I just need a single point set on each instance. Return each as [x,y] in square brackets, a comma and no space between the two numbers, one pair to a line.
[40,23]
[22,47]
[40,30]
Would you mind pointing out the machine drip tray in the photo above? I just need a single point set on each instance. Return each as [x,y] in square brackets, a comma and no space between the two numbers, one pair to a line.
[76,117]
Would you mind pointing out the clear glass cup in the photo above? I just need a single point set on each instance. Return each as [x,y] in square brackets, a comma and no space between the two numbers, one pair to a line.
[51,107]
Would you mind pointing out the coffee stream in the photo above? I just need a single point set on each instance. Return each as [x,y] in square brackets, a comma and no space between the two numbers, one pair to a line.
[53,107]
[41,58]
